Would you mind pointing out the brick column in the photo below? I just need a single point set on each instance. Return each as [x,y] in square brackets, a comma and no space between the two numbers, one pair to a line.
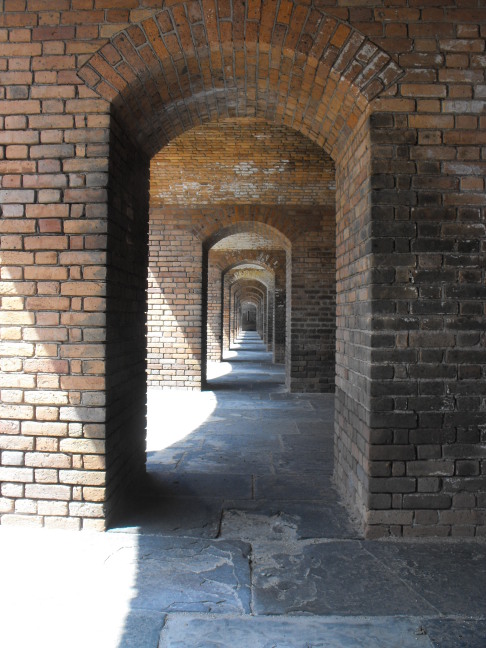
[227,315]
[353,313]
[313,311]
[270,309]
[279,317]
[214,312]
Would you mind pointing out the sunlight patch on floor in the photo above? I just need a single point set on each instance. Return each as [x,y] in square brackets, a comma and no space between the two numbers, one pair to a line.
[173,415]
[218,369]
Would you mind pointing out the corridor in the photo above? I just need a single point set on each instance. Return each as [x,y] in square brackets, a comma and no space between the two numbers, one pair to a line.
[250,450]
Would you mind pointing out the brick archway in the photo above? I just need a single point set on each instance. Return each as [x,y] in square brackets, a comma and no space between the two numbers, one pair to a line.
[227,247]
[410,226]
[189,64]
[247,290]
[185,66]
[241,279]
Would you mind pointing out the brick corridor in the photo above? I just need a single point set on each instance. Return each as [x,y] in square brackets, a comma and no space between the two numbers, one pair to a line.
[348,133]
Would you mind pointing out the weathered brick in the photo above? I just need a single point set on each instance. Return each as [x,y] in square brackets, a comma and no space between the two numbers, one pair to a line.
[48,492]
[401,116]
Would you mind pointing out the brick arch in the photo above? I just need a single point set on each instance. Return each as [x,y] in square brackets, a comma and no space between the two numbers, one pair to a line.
[212,222]
[248,289]
[259,268]
[254,290]
[188,64]
[185,66]
[264,277]
[215,233]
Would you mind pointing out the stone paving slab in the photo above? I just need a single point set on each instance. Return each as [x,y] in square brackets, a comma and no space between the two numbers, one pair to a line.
[315,461]
[54,572]
[450,574]
[270,407]
[202,485]
[284,413]
[237,425]
[65,627]
[259,520]
[456,633]
[187,516]
[212,460]
[185,574]
[334,577]
[292,632]
[283,487]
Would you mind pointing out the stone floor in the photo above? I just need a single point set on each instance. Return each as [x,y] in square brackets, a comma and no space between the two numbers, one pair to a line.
[239,540]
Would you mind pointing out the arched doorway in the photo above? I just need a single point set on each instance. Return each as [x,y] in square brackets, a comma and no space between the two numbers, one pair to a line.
[327,75]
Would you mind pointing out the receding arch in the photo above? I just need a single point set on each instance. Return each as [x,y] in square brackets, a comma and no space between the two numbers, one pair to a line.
[257,227]
[226,250]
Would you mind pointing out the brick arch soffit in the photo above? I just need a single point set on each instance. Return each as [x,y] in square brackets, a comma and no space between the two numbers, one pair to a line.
[254,285]
[265,266]
[265,275]
[212,232]
[185,65]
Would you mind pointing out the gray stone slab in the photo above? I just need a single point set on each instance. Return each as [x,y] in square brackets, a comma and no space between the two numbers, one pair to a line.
[241,426]
[291,632]
[456,633]
[168,456]
[323,429]
[188,575]
[141,629]
[293,486]
[451,575]
[334,577]
[260,440]
[199,485]
[259,520]
[282,413]
[228,462]
[183,516]
[267,406]
[81,627]
[315,461]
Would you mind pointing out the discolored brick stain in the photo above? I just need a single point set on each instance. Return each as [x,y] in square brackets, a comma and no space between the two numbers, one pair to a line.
[393,92]
[242,161]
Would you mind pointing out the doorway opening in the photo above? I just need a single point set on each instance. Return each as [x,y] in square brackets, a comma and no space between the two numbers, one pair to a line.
[161,92]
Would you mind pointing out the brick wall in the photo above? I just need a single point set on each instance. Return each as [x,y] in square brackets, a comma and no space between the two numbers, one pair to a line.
[214,312]
[174,304]
[353,317]
[410,226]
[247,161]
[125,320]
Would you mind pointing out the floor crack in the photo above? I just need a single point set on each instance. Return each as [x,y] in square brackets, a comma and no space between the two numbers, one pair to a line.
[250,565]
[220,524]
